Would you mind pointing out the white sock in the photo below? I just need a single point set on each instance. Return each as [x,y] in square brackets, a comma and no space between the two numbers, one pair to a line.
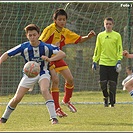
[131,93]
[7,112]
[51,108]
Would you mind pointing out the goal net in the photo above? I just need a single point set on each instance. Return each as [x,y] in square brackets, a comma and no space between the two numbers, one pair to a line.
[82,17]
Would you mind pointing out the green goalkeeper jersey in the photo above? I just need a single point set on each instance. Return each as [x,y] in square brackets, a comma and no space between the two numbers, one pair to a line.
[108,48]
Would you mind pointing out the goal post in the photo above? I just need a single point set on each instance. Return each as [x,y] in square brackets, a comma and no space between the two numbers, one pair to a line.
[82,17]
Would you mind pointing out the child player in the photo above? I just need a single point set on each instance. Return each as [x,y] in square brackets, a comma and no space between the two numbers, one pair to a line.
[56,32]
[33,50]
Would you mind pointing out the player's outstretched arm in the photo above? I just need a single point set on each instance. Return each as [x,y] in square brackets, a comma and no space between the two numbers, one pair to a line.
[3,57]
[58,56]
[85,38]
[127,55]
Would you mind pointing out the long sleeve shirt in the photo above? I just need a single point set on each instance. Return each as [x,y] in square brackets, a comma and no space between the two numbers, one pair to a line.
[108,48]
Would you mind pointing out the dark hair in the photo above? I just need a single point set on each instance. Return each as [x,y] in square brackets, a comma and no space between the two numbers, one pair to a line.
[32,27]
[58,12]
[129,68]
[109,19]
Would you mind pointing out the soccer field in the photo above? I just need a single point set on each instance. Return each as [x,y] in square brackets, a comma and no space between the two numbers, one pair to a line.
[31,114]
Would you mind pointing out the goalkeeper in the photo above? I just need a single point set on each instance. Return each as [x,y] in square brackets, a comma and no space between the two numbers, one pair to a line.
[53,33]
[108,53]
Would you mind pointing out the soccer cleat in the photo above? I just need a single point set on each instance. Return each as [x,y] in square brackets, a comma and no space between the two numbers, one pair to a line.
[3,120]
[111,105]
[60,113]
[54,121]
[106,104]
[70,106]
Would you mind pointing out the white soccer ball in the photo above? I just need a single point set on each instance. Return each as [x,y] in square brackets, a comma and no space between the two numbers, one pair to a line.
[31,69]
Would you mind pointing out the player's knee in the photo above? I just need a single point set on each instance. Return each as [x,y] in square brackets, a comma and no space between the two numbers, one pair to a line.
[70,81]
[112,84]
[103,84]
[45,92]
[70,86]
[55,79]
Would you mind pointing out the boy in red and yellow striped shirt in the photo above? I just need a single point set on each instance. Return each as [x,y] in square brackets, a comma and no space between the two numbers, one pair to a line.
[57,34]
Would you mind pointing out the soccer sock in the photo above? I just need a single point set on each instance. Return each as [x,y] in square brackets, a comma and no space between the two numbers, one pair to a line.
[131,93]
[68,92]
[7,112]
[55,95]
[51,108]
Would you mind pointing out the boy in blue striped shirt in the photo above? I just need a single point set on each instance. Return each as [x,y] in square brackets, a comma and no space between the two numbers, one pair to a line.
[33,50]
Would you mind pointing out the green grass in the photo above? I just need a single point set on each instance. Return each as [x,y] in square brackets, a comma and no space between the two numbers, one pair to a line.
[90,117]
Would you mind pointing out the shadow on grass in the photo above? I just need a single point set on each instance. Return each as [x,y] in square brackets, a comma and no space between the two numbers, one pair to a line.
[112,123]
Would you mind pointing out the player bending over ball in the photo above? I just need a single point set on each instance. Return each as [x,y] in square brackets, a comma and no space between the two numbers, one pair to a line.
[129,84]
[33,50]
[56,32]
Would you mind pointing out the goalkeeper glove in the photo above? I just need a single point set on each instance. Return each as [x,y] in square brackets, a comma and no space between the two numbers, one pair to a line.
[118,66]
[94,66]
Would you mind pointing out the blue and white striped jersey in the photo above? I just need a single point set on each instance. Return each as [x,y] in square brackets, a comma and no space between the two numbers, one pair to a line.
[30,53]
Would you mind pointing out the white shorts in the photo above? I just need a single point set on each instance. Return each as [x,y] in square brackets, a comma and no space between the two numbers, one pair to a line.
[30,82]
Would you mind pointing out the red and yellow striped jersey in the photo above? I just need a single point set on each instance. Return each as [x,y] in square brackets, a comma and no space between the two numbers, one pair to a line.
[52,35]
